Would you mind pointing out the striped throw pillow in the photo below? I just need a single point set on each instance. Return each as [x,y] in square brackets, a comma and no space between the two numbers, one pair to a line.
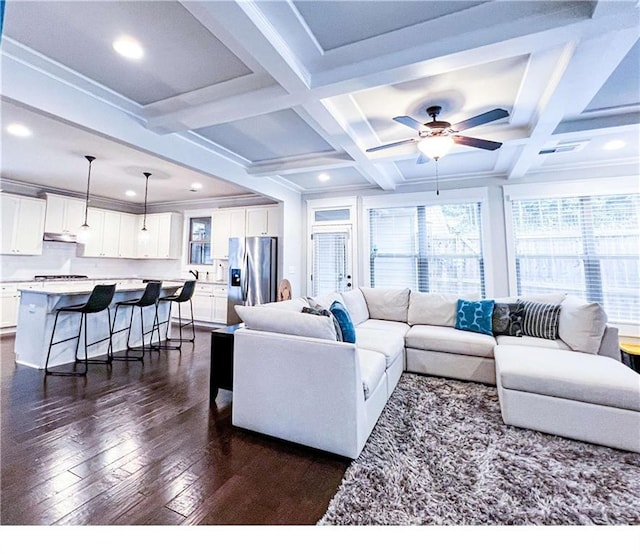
[541,320]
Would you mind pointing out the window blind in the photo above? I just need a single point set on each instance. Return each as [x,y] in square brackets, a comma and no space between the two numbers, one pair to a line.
[585,245]
[427,248]
[329,262]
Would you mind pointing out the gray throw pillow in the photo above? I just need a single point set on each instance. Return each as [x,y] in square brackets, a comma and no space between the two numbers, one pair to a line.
[507,318]
[541,320]
[317,309]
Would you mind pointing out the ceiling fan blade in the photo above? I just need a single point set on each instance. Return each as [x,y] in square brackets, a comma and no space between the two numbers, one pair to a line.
[481,119]
[422,158]
[477,143]
[410,122]
[375,148]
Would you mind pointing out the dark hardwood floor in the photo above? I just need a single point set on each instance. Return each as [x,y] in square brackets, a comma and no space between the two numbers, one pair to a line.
[140,445]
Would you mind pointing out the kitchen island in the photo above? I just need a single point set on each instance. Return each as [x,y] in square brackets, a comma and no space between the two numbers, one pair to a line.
[37,311]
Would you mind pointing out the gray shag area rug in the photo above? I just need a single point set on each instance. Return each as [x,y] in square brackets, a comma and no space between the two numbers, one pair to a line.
[440,454]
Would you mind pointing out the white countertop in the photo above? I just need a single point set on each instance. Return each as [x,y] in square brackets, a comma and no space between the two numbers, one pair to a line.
[67,288]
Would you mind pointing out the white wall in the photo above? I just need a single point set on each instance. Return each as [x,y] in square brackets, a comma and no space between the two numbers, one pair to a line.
[60,258]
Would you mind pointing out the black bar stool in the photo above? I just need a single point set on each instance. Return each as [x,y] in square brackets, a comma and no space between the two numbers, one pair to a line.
[148,298]
[99,300]
[185,295]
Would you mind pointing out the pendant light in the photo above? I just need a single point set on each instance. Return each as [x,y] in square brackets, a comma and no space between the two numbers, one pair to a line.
[85,231]
[144,233]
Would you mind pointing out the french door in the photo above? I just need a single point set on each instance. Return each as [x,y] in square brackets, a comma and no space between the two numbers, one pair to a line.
[331,259]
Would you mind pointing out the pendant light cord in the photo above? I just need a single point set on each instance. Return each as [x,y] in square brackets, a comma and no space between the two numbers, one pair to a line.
[146,189]
[86,203]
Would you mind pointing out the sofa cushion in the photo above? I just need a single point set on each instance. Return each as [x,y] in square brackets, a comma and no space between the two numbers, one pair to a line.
[450,340]
[346,325]
[356,306]
[396,327]
[507,318]
[475,316]
[430,308]
[294,305]
[572,375]
[581,324]
[391,345]
[288,322]
[533,341]
[372,368]
[541,320]
[386,303]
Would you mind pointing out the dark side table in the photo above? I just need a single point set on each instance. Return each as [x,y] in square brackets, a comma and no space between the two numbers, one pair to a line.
[630,354]
[221,368]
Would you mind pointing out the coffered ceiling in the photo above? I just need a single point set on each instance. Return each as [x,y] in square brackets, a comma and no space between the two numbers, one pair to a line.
[264,96]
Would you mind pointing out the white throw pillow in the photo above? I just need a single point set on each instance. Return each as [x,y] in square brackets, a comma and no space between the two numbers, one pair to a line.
[356,306]
[431,308]
[581,324]
[325,300]
[386,303]
[287,322]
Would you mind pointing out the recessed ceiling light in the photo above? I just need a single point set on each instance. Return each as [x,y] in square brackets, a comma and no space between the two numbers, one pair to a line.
[323,177]
[195,186]
[614,145]
[128,47]
[18,130]
[131,193]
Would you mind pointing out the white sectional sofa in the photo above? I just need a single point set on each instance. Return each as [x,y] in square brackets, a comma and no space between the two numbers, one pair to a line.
[293,378]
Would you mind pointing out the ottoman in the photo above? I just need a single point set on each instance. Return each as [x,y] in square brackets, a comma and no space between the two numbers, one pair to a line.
[580,396]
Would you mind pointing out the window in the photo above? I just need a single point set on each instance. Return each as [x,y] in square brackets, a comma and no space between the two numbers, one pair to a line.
[585,245]
[427,248]
[200,240]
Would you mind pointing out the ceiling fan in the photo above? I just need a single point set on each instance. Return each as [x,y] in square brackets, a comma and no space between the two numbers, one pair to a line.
[435,138]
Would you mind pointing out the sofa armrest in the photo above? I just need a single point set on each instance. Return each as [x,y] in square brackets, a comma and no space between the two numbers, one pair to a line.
[299,389]
[610,346]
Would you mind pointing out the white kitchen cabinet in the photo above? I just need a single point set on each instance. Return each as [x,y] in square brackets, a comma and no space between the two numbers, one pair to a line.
[127,238]
[164,236]
[104,228]
[9,298]
[64,215]
[202,301]
[22,224]
[219,310]
[263,221]
[210,303]
[10,301]
[227,223]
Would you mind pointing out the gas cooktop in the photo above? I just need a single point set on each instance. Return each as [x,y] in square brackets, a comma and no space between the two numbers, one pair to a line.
[58,277]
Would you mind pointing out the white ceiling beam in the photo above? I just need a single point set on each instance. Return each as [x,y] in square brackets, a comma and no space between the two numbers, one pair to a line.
[312,162]
[246,26]
[242,28]
[326,122]
[568,82]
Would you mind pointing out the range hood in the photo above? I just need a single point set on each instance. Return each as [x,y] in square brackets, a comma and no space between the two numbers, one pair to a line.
[60,237]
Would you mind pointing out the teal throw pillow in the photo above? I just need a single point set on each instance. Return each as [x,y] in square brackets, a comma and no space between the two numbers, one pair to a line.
[475,316]
[344,320]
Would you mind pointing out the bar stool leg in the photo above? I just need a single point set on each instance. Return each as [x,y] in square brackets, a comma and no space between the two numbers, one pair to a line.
[53,334]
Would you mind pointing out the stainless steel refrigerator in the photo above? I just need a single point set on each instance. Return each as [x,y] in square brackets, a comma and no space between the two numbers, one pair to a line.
[252,273]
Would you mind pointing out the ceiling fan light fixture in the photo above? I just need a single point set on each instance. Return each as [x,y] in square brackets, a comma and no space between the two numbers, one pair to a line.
[436,147]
